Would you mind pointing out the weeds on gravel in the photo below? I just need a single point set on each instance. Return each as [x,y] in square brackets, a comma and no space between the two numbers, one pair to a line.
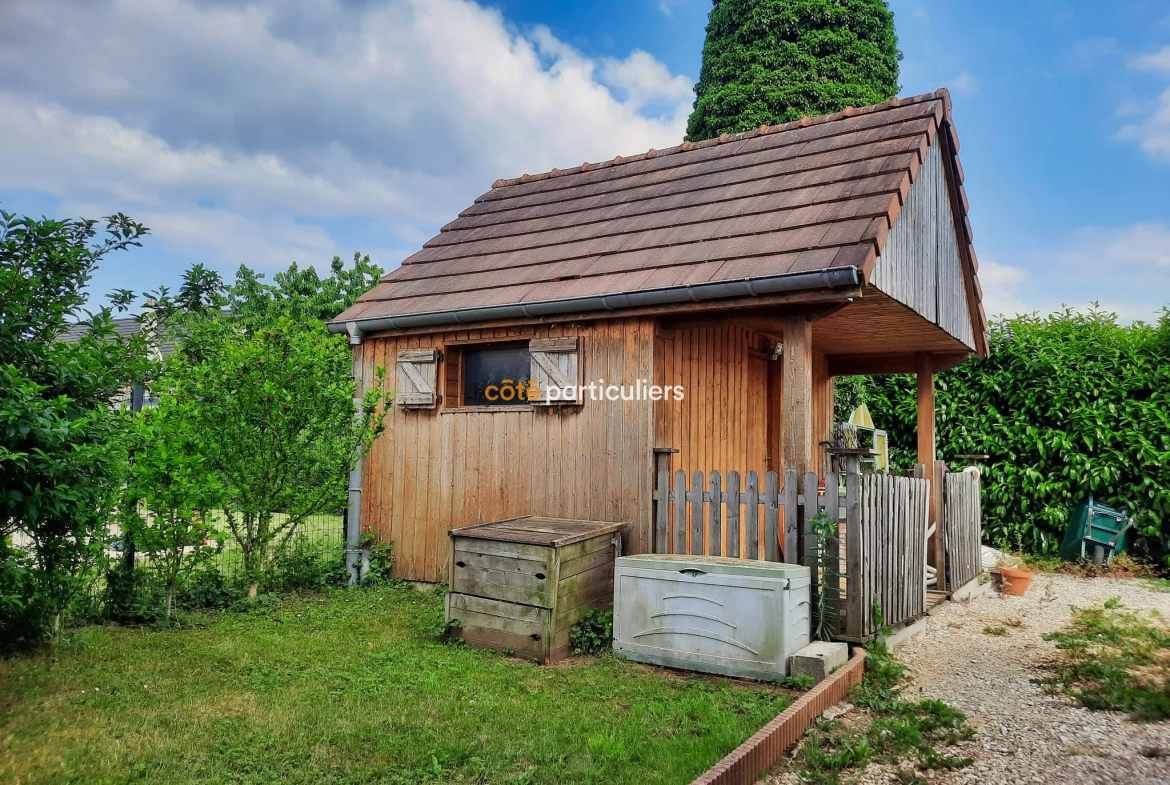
[1115,659]
[899,730]
[1155,584]
[1122,566]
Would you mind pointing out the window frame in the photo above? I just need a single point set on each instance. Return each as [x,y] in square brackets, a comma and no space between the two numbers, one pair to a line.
[455,370]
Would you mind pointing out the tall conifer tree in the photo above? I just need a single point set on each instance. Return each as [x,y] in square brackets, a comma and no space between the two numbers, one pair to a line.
[772,61]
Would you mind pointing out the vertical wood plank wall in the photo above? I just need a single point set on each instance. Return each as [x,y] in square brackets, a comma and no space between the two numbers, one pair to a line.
[722,422]
[722,425]
[433,470]
[919,266]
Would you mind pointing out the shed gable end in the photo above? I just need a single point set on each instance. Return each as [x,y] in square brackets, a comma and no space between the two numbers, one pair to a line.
[920,265]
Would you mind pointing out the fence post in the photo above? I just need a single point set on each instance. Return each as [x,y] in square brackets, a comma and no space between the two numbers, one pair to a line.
[695,496]
[791,518]
[807,511]
[752,516]
[714,531]
[680,511]
[772,533]
[938,505]
[733,501]
[855,594]
[357,559]
[662,497]
[832,507]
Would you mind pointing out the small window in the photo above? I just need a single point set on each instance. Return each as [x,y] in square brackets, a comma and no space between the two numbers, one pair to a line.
[496,376]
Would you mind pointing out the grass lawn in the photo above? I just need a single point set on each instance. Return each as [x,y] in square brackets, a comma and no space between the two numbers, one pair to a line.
[351,687]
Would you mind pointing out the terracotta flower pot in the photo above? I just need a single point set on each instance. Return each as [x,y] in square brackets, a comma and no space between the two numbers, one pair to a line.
[1016,581]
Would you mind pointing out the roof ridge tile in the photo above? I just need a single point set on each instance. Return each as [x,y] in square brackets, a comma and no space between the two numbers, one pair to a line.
[687,145]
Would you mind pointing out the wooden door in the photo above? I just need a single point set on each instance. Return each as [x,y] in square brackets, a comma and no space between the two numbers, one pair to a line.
[759,394]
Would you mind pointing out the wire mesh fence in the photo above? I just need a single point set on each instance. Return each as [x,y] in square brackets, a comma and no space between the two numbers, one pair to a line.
[323,533]
[313,551]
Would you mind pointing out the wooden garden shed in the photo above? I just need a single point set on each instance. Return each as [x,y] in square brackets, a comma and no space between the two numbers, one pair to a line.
[747,270]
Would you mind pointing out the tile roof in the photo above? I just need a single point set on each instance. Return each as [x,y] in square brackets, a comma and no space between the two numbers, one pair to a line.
[813,194]
[124,326]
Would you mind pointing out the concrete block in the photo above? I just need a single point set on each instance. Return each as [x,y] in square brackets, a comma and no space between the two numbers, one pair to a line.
[971,590]
[818,659]
[905,633]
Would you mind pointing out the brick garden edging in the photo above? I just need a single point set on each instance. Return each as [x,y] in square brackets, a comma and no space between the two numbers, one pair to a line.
[743,765]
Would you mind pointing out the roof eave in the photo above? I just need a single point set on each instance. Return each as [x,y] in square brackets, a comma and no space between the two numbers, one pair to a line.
[829,278]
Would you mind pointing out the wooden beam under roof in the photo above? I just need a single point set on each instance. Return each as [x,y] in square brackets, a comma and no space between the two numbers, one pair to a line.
[876,364]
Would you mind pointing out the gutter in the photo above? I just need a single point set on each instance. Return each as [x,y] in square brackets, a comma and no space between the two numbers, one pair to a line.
[831,278]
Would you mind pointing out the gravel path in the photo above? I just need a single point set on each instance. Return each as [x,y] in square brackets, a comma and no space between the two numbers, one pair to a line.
[1025,736]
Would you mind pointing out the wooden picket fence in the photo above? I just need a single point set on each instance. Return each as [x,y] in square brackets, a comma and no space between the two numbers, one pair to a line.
[881,519]
[962,516]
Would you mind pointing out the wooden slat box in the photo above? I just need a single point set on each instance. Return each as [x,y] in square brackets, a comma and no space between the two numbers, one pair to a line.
[521,584]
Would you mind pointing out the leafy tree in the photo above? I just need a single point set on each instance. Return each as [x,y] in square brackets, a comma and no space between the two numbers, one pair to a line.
[168,496]
[61,446]
[300,293]
[849,392]
[772,61]
[270,407]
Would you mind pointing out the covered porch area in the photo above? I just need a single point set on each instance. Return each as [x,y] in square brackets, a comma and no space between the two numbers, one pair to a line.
[746,474]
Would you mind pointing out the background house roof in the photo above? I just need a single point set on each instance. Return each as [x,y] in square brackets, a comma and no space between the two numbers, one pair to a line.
[124,326]
[811,195]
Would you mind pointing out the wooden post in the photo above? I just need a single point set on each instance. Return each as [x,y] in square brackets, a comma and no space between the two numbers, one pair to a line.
[927,455]
[796,429]
[855,593]
[796,433]
[926,439]
[662,498]
[939,541]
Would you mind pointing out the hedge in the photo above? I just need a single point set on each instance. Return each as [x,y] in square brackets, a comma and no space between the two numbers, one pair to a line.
[1065,405]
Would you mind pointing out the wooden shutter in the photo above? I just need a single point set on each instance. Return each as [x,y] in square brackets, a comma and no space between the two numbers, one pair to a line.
[555,364]
[418,373]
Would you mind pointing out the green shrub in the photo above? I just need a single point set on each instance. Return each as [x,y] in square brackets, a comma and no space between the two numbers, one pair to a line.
[305,566]
[21,605]
[130,596]
[381,561]
[593,634]
[1065,405]
[207,588]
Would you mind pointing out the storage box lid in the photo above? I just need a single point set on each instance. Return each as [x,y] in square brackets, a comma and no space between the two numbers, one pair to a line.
[717,565]
[534,530]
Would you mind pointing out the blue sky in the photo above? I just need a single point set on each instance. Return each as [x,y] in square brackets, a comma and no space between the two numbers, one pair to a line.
[263,132]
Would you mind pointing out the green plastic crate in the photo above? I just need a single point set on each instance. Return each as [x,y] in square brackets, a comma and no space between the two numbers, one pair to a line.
[1096,532]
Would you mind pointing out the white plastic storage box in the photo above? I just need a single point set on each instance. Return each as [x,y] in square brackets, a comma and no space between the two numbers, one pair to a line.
[709,613]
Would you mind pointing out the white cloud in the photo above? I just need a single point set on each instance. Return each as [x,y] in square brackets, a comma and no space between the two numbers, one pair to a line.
[1003,289]
[1124,268]
[963,82]
[271,123]
[1104,254]
[1153,132]
[646,81]
[1158,61]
